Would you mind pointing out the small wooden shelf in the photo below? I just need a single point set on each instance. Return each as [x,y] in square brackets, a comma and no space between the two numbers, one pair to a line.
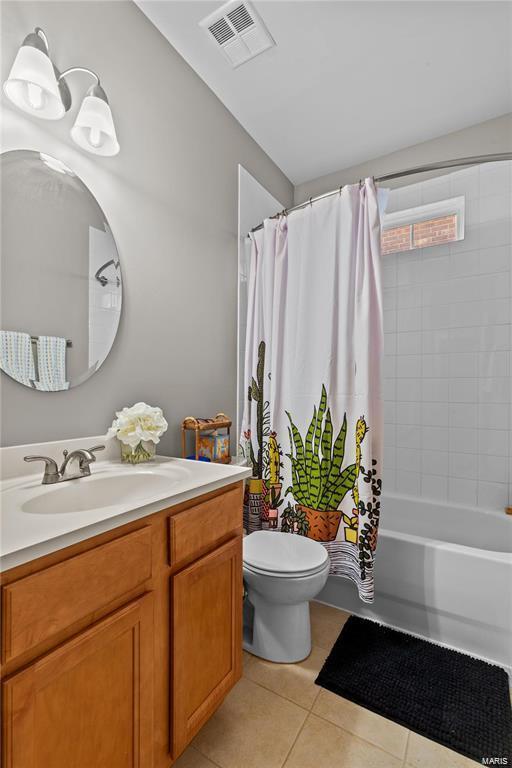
[208,427]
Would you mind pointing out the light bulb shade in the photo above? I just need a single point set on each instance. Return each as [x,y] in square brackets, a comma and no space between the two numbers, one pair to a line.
[94,128]
[32,84]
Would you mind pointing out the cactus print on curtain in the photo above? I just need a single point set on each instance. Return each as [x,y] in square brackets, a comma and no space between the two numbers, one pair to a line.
[312,426]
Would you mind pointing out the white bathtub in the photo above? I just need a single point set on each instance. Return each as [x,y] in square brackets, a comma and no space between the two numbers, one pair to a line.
[442,572]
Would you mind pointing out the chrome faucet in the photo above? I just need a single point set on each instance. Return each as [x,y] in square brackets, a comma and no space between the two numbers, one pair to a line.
[82,456]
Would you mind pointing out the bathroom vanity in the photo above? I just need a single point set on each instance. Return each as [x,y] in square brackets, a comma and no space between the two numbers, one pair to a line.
[118,647]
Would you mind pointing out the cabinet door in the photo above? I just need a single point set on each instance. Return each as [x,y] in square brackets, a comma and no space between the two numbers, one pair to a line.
[206,638]
[87,703]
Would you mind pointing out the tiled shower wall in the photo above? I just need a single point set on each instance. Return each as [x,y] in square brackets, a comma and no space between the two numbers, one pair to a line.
[447,322]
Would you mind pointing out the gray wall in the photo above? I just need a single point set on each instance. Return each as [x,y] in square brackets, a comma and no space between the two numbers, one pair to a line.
[171,200]
[481,139]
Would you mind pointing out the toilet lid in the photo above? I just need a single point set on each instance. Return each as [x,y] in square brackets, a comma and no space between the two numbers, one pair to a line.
[278,552]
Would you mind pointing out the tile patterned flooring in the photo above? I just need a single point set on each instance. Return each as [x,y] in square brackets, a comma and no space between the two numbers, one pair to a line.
[276,717]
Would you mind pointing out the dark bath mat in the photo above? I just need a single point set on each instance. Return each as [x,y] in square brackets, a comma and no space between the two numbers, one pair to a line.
[454,699]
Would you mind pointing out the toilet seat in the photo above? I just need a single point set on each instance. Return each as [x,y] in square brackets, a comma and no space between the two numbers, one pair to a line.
[285,555]
[287,575]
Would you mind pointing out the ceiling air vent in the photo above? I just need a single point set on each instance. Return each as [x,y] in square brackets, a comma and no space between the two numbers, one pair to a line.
[221,31]
[240,18]
[238,31]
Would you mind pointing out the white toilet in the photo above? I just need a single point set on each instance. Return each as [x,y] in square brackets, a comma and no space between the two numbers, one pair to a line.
[282,573]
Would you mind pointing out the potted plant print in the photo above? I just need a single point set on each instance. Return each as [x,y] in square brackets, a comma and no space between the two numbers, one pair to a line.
[273,485]
[138,429]
[256,395]
[352,522]
[256,509]
[319,483]
[294,520]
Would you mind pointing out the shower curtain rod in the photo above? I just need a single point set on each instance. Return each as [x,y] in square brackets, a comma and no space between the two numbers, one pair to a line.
[476,160]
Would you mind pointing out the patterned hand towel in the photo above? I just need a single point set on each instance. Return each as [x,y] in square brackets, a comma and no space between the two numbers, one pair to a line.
[51,361]
[16,356]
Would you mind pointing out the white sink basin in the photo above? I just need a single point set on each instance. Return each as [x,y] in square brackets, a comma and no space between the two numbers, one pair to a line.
[37,519]
[98,491]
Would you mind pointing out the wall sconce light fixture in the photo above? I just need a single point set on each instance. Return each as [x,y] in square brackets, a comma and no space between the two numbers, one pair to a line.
[36,86]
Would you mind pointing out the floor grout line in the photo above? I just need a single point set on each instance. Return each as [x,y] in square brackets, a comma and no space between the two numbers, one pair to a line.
[362,738]
[281,696]
[330,722]
[404,762]
[316,697]
[193,746]
[286,698]
[295,740]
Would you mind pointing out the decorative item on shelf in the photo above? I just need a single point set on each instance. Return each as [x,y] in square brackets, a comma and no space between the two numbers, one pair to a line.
[209,444]
[138,429]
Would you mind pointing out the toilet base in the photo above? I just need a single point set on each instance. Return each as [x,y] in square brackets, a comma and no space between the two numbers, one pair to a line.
[276,632]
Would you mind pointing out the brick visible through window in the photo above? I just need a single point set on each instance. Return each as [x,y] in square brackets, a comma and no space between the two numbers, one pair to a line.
[419,235]
[434,231]
[396,239]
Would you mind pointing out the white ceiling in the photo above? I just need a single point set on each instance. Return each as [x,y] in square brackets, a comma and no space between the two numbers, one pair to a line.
[349,81]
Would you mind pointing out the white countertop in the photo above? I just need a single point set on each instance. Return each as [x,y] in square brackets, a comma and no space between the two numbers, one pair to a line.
[29,529]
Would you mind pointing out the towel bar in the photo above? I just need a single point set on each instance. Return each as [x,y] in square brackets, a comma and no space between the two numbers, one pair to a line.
[33,339]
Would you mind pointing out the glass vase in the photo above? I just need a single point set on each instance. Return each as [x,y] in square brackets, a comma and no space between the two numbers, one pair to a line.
[144,451]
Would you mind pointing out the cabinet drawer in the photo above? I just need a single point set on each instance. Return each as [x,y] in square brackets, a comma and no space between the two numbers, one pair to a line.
[196,530]
[41,605]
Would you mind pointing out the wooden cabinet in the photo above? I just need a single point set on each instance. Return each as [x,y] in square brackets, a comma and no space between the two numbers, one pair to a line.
[89,702]
[207,638]
[38,606]
[117,649]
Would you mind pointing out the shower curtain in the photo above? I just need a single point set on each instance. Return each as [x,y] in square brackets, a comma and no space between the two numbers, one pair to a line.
[312,425]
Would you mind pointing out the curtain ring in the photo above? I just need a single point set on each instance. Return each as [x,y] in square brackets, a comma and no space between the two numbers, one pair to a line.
[311,201]
[339,190]
[360,183]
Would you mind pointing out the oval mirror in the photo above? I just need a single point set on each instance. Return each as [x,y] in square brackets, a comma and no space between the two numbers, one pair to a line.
[61,288]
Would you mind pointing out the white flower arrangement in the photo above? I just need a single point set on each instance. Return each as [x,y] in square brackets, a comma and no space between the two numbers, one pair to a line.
[140,428]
